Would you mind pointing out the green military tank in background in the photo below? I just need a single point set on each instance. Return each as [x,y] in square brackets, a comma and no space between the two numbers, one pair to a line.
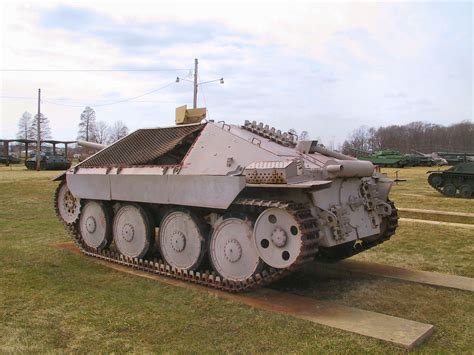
[383,158]
[9,159]
[48,162]
[455,181]
[416,159]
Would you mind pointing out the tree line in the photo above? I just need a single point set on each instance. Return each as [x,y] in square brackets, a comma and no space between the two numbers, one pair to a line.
[89,129]
[420,136]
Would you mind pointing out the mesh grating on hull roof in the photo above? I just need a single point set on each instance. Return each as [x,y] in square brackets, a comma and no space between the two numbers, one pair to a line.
[141,146]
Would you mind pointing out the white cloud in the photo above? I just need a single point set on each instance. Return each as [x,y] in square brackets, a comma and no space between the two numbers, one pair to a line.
[289,63]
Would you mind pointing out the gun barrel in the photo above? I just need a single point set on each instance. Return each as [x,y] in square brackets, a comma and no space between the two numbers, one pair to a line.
[332,153]
[91,145]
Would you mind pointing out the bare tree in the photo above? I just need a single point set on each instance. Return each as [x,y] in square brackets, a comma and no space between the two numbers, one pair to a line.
[419,136]
[45,130]
[102,132]
[87,125]
[304,136]
[117,130]
[24,124]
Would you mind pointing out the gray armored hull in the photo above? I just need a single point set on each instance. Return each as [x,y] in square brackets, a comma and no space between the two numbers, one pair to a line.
[227,206]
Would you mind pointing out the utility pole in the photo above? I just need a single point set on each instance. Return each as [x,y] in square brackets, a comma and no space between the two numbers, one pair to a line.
[38,137]
[195,83]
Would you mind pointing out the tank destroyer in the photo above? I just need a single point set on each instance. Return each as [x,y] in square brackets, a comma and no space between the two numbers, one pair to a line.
[48,162]
[455,181]
[227,206]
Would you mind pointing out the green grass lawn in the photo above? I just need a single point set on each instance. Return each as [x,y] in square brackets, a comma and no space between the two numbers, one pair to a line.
[53,300]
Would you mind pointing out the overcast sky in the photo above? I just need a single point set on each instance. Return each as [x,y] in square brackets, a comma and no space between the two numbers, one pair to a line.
[327,68]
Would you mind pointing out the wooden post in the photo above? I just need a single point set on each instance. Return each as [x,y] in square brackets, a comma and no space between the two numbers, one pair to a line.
[6,148]
[38,137]
[195,83]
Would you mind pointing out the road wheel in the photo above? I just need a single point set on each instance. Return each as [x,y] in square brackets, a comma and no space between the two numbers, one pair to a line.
[232,251]
[465,191]
[133,230]
[449,190]
[95,224]
[182,243]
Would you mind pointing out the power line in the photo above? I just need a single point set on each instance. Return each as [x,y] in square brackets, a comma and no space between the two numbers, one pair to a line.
[115,102]
[17,97]
[93,70]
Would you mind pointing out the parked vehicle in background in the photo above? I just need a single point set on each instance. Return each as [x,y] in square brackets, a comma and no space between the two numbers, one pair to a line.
[455,181]
[48,162]
[9,159]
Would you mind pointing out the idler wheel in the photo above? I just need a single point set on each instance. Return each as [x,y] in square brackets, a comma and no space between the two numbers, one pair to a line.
[182,243]
[277,237]
[95,224]
[449,190]
[67,206]
[132,230]
[232,251]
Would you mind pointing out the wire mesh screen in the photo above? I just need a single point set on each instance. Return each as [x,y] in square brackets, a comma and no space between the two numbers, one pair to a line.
[140,147]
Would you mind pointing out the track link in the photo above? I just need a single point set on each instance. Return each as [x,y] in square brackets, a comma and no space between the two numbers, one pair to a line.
[307,224]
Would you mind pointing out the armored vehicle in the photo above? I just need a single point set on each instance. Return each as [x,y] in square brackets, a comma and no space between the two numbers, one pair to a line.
[419,160]
[455,181]
[9,159]
[48,162]
[434,156]
[455,158]
[383,158]
[223,205]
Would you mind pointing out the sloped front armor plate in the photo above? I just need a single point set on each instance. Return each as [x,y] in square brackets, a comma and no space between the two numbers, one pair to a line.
[141,146]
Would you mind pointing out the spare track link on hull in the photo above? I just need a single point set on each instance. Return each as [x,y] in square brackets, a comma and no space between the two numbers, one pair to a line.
[347,250]
[307,224]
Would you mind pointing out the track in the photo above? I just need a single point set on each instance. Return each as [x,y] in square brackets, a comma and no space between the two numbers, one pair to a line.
[447,178]
[307,224]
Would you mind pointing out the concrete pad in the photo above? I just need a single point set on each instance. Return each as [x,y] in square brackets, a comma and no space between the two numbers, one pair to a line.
[395,330]
[446,213]
[399,331]
[448,224]
[423,277]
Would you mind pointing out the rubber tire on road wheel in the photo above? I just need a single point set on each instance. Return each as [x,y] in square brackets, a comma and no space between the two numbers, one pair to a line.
[449,190]
[465,191]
